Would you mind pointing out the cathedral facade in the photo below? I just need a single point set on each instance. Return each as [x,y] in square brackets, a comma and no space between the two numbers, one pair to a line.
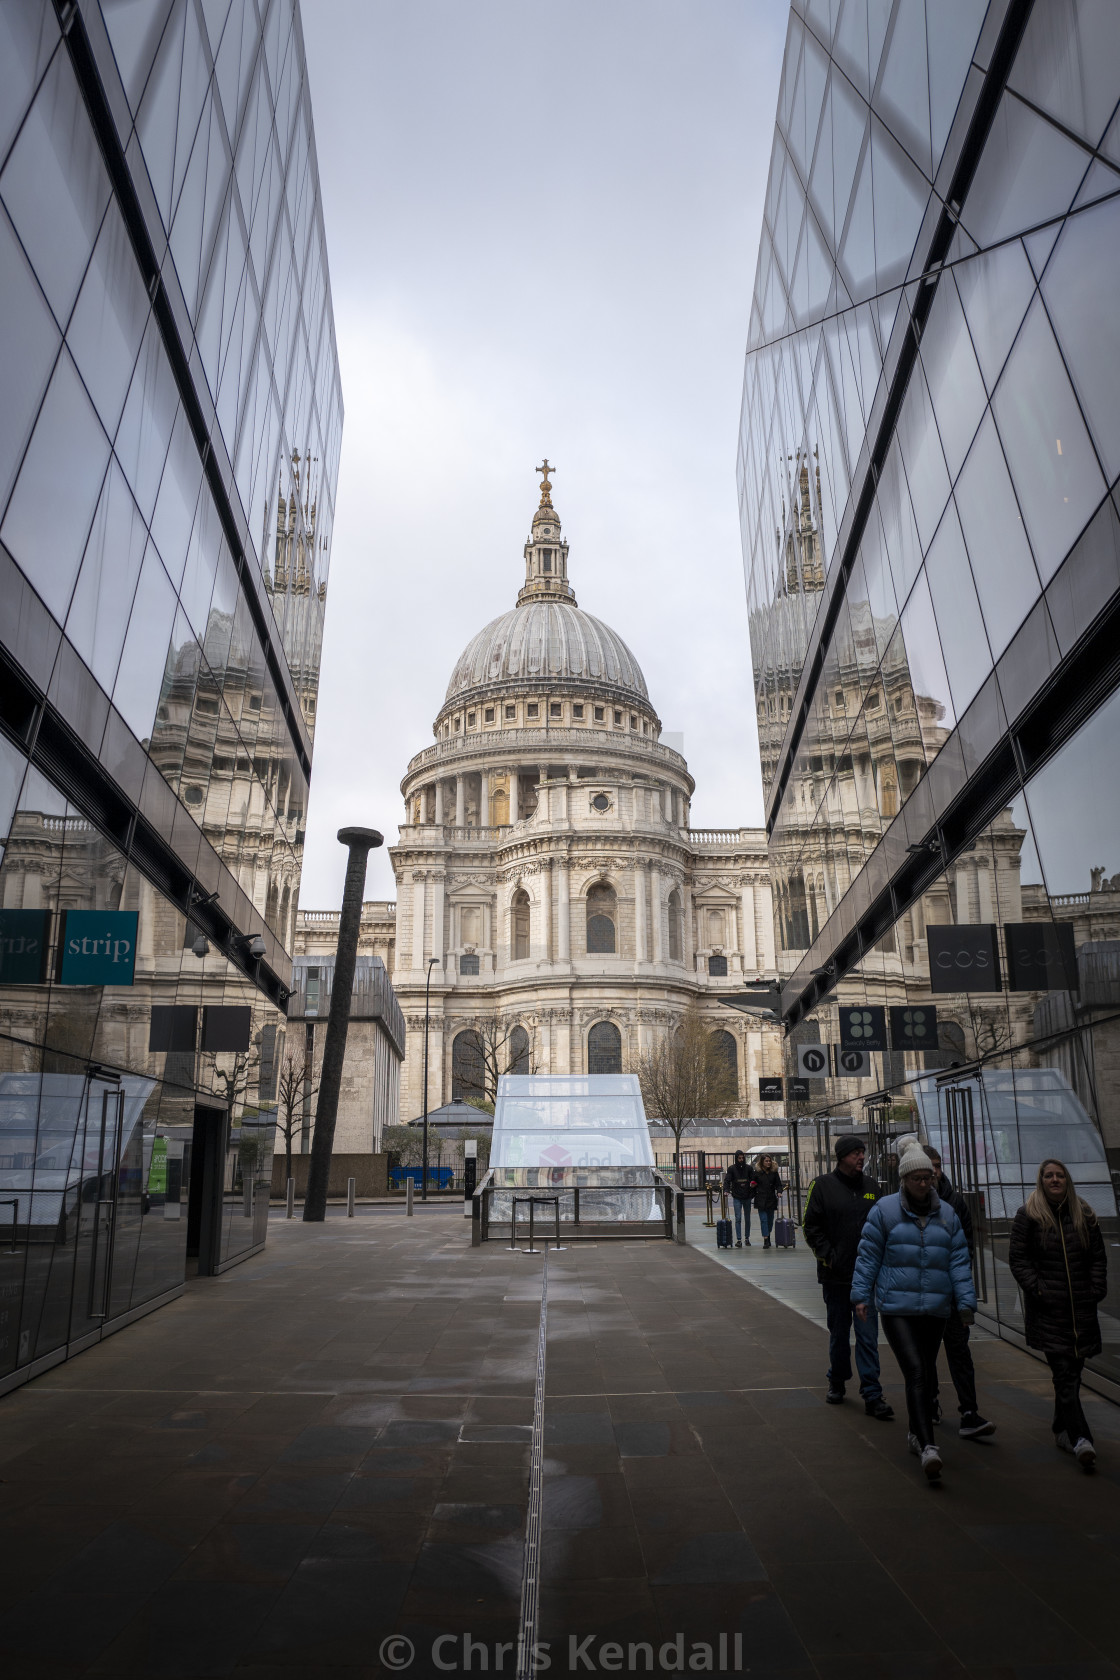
[552,899]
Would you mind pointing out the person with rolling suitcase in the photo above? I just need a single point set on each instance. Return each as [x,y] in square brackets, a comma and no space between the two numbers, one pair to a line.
[766,1188]
[723,1225]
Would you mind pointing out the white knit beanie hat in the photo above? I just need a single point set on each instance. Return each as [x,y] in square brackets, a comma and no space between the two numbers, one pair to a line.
[914,1159]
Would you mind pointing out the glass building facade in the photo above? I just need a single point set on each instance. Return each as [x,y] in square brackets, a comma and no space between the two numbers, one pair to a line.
[928,465]
[169,444]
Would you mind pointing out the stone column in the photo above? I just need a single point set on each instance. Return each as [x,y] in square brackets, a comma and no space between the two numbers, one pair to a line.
[514,811]
[484,799]
[655,913]
[546,910]
[563,911]
[750,949]
[689,952]
[437,919]
[639,912]
[418,922]
[460,801]
[439,803]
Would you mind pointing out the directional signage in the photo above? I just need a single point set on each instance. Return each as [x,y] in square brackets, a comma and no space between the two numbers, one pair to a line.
[913,1028]
[813,1061]
[24,937]
[963,958]
[797,1090]
[863,1027]
[97,947]
[852,1064]
[771,1090]
[1041,957]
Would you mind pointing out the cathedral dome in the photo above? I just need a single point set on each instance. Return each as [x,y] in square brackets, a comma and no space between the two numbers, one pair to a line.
[549,640]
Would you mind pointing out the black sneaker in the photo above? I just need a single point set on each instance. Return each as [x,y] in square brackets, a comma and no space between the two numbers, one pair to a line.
[738,1245]
[879,1409]
[766,1242]
[973,1426]
[835,1395]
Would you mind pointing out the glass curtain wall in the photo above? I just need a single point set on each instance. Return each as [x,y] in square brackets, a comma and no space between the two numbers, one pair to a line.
[928,465]
[168,460]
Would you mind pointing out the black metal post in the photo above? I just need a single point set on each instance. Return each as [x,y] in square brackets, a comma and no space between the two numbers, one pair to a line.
[424,1171]
[360,841]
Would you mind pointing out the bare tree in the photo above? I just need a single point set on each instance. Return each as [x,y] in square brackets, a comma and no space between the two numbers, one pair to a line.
[495,1057]
[231,1083]
[686,1076]
[295,1087]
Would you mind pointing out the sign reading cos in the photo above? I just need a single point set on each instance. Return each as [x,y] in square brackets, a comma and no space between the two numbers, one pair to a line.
[963,958]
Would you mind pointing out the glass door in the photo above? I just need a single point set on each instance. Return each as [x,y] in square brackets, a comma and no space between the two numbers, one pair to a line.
[97,1205]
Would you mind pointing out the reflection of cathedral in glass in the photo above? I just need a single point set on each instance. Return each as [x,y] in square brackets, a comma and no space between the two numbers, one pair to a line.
[929,437]
[172,397]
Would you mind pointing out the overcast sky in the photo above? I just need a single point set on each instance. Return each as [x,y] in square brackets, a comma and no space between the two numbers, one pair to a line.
[542,223]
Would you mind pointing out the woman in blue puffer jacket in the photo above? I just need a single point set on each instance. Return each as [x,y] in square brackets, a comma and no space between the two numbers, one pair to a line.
[913,1265]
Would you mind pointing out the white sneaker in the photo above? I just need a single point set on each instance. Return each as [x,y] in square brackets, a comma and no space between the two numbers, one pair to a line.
[931,1463]
[1085,1453]
[915,1445]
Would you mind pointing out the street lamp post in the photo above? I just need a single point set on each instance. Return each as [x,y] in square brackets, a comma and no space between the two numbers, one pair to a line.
[432,961]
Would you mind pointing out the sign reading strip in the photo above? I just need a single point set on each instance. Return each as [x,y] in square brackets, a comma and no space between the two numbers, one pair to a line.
[963,958]
[97,947]
[24,941]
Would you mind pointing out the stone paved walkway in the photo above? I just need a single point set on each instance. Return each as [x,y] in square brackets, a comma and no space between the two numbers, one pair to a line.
[328,1447]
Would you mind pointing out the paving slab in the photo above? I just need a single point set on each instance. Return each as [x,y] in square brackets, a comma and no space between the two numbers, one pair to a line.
[318,1464]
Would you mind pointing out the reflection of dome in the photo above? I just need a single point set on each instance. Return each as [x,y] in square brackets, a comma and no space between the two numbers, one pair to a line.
[546,639]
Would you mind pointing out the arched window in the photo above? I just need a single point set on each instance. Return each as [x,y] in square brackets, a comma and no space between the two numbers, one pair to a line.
[676,941]
[602,919]
[518,1051]
[519,929]
[727,1050]
[604,1047]
[467,1074]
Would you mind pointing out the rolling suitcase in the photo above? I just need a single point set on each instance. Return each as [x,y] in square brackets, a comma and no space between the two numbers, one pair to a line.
[723,1226]
[785,1233]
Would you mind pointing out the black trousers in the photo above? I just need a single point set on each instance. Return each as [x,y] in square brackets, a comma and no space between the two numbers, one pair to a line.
[914,1341]
[1068,1415]
[958,1357]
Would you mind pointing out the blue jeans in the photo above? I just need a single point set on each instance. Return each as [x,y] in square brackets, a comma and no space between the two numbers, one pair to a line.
[742,1217]
[765,1222]
[841,1318]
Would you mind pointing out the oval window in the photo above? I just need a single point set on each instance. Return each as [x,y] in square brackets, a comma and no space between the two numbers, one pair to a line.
[600,802]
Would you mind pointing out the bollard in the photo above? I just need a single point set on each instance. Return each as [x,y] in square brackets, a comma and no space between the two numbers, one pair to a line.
[291,1199]
[350,1183]
[408,1197]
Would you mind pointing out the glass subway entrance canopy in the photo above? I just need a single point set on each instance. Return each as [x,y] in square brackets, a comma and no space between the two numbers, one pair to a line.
[568,1133]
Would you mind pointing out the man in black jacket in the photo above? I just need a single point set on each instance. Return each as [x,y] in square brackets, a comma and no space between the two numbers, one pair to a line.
[835,1210]
[737,1182]
[958,1355]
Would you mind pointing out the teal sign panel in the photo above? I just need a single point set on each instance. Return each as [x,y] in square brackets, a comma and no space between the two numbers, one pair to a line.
[97,947]
[24,937]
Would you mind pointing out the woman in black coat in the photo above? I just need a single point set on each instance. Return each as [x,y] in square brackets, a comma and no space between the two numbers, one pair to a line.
[766,1187]
[1057,1258]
